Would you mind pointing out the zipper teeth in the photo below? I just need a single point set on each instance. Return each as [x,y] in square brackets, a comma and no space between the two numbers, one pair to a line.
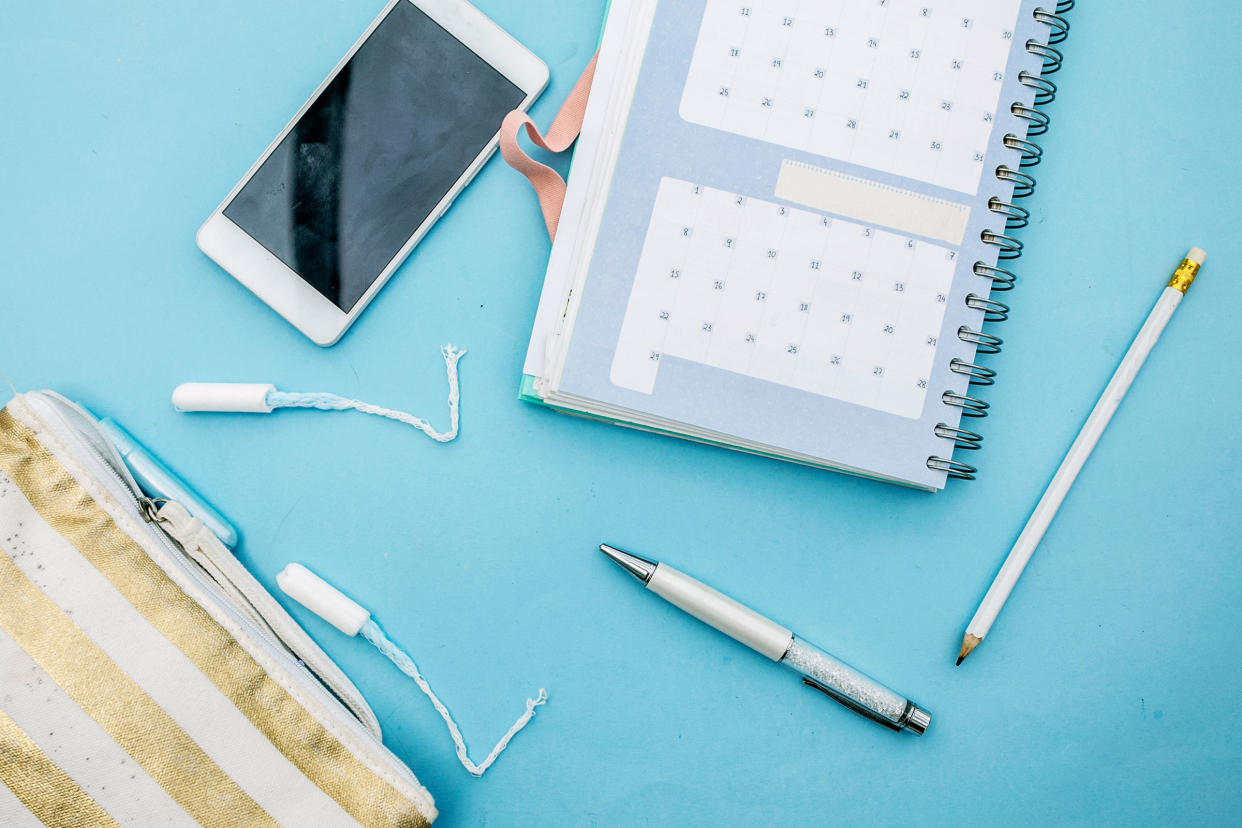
[117,484]
[125,486]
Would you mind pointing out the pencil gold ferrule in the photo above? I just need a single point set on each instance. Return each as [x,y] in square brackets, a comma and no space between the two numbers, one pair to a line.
[1184,275]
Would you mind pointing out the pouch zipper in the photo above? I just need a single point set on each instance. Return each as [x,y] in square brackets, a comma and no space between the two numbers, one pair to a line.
[78,427]
[122,486]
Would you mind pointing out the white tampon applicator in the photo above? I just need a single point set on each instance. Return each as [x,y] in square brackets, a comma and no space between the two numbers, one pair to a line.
[351,618]
[323,599]
[243,397]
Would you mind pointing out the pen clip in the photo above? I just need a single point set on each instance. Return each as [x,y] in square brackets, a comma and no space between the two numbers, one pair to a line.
[850,703]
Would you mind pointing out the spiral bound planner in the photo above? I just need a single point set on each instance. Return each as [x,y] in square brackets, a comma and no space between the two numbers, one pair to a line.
[787,223]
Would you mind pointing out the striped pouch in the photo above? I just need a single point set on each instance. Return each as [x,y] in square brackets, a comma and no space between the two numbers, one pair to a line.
[145,677]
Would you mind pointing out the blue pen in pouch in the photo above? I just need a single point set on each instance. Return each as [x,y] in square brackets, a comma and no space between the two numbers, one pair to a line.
[157,480]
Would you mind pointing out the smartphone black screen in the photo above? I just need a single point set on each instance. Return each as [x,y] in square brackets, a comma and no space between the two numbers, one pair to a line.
[374,154]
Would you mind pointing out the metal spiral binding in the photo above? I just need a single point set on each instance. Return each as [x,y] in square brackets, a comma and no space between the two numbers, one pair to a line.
[977,373]
[1008,247]
[962,438]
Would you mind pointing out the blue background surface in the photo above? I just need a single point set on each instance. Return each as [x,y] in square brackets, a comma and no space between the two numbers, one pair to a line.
[1108,691]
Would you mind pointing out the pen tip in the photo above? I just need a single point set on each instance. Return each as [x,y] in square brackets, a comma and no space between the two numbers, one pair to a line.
[640,568]
[960,659]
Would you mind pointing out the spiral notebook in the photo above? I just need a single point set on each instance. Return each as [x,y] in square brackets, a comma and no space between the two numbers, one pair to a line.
[787,220]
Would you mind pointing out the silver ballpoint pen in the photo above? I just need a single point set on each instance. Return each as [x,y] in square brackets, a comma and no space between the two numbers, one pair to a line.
[818,669]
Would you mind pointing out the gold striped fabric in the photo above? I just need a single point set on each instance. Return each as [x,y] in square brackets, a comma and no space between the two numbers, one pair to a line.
[112,699]
[148,734]
[45,789]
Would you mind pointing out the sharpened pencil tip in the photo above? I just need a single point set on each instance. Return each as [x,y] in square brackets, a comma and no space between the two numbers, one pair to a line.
[969,642]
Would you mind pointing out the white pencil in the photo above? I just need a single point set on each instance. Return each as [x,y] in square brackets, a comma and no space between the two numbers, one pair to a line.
[1022,550]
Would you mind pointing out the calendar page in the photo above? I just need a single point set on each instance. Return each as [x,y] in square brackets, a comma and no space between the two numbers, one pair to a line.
[784,295]
[903,86]
[779,249]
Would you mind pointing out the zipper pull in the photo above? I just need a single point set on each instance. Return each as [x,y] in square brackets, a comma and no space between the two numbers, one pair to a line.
[196,542]
[150,508]
[156,479]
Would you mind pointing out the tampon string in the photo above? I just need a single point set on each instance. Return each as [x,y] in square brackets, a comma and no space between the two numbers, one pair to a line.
[351,618]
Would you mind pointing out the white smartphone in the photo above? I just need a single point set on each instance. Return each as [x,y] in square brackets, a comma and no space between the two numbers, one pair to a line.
[369,163]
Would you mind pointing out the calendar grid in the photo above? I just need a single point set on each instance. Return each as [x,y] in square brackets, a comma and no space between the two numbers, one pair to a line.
[789,296]
[899,86]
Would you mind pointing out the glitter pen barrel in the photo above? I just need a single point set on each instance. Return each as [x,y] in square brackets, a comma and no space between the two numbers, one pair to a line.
[819,670]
